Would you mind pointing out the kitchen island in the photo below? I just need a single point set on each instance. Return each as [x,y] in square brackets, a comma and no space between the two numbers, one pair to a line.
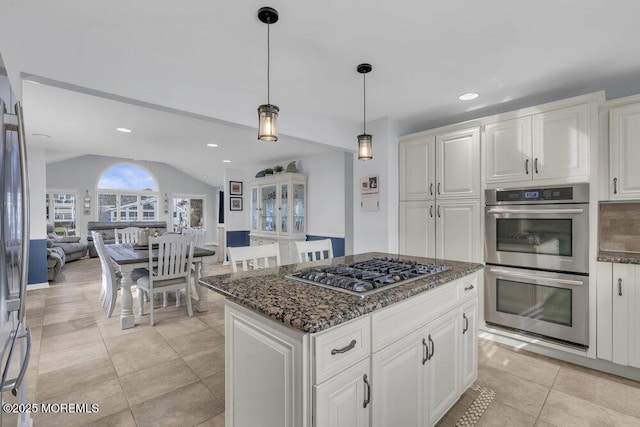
[303,355]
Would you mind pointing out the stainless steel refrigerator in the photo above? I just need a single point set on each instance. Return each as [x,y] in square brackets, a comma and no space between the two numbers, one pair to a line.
[15,338]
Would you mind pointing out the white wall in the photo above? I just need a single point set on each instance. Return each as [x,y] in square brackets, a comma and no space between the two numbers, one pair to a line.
[237,220]
[325,193]
[37,170]
[82,173]
[378,231]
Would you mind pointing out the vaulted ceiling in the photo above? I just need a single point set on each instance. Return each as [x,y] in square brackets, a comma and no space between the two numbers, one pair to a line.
[200,66]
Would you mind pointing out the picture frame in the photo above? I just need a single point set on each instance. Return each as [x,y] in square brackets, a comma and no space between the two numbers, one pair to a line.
[235,203]
[235,188]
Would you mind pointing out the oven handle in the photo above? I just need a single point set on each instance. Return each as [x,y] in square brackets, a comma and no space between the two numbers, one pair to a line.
[548,279]
[535,211]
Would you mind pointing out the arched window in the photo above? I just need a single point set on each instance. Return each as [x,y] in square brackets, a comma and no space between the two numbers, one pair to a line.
[127,193]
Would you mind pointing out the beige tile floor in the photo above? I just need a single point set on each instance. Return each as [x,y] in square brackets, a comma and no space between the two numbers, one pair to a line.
[173,373]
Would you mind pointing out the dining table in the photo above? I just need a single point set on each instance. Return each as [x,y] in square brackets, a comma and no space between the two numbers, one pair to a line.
[129,257]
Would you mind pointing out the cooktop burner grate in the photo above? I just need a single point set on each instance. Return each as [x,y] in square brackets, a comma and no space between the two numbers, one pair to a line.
[367,277]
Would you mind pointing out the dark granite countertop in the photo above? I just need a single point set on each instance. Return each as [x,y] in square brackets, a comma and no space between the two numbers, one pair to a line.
[311,308]
[619,257]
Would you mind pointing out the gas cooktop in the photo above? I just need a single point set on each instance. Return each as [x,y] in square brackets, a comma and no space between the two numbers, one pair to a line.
[367,277]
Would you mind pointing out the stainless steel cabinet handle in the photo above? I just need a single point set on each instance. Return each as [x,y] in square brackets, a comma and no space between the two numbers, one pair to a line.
[431,188]
[425,351]
[351,345]
[615,185]
[367,396]
[438,211]
[534,211]
[535,165]
[466,323]
[619,287]
[433,347]
[431,211]
[438,188]
[526,166]
[468,288]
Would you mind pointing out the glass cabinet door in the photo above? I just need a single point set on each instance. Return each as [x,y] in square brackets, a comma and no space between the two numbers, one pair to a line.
[255,206]
[284,208]
[298,208]
[268,216]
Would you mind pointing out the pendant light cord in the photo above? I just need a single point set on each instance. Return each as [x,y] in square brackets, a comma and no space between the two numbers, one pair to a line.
[268,62]
[364,108]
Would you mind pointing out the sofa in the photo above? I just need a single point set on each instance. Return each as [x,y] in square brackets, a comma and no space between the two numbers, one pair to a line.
[55,261]
[71,246]
[107,230]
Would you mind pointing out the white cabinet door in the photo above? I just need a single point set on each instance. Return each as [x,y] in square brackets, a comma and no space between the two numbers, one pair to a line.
[458,230]
[399,383]
[417,168]
[262,379]
[342,400]
[624,152]
[417,228]
[469,349]
[626,314]
[443,366]
[508,150]
[458,164]
[561,143]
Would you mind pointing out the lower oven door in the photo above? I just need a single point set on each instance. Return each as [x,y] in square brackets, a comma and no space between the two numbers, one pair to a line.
[554,305]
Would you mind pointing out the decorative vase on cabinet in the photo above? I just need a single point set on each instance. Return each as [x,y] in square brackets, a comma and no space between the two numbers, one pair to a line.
[278,212]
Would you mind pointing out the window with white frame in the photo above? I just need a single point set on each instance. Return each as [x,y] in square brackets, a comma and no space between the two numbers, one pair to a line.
[127,193]
[61,210]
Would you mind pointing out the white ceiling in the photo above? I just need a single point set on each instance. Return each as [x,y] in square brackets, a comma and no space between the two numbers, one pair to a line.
[208,59]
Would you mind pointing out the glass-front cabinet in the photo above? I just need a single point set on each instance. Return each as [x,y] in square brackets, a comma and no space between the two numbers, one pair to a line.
[278,211]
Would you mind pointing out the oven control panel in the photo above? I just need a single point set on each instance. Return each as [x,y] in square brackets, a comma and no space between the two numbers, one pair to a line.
[576,193]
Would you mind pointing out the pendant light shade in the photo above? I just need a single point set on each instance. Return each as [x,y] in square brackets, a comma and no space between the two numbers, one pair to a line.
[365,150]
[267,113]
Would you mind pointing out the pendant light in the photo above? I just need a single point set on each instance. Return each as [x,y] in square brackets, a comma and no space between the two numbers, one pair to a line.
[267,113]
[364,141]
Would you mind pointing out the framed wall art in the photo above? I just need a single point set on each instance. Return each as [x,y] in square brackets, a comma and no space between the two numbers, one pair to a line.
[235,188]
[235,203]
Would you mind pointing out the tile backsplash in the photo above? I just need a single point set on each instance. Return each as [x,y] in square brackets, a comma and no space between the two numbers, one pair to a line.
[619,227]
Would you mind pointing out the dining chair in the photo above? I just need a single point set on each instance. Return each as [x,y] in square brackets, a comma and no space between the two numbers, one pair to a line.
[198,242]
[312,250]
[253,257]
[111,276]
[173,270]
[126,235]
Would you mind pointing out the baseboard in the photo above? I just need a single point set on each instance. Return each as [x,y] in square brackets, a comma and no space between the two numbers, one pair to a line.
[34,286]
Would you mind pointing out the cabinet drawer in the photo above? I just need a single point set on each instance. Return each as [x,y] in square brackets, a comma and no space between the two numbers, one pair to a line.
[469,287]
[340,347]
[394,322]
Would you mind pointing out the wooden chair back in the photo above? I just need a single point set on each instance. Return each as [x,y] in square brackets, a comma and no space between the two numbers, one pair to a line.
[313,250]
[253,257]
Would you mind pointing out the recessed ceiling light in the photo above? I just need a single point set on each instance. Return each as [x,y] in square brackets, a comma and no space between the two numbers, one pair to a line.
[212,145]
[226,161]
[125,130]
[468,96]
[42,135]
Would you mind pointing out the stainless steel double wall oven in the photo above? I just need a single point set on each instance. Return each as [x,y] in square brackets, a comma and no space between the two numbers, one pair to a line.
[537,256]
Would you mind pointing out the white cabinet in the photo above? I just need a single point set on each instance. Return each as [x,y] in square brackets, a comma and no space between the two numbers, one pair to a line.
[624,152]
[458,224]
[344,400]
[440,173]
[550,145]
[278,212]
[618,307]
[458,164]
[443,365]
[417,228]
[448,229]
[469,346]
[417,168]
[400,382]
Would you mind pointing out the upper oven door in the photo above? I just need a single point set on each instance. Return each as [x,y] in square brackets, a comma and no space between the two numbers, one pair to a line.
[549,237]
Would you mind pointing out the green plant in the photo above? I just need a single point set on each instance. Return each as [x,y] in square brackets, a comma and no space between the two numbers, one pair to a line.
[278,169]
[268,171]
